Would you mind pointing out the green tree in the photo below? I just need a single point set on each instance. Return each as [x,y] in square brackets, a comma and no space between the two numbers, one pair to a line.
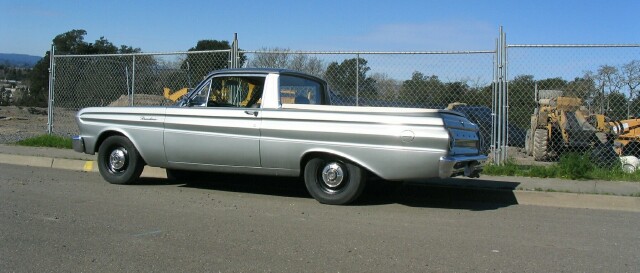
[522,100]
[199,64]
[88,75]
[39,78]
[456,91]
[350,78]
[423,90]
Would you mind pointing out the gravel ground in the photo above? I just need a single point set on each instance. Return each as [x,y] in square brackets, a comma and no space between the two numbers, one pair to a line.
[17,123]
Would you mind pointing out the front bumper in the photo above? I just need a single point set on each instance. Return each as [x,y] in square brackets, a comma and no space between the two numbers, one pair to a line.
[469,166]
[78,144]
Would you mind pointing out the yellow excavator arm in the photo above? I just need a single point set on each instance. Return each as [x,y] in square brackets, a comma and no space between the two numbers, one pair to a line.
[175,96]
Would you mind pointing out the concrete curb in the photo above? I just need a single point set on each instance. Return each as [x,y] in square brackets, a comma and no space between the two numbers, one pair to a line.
[33,161]
[578,200]
[587,196]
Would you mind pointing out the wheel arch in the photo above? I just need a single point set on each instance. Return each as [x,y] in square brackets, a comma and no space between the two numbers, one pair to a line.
[109,133]
[330,153]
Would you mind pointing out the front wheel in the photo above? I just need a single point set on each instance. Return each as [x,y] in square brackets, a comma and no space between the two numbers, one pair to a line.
[333,181]
[119,161]
[540,145]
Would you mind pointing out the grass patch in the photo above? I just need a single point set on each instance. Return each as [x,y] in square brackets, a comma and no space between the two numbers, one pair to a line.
[47,141]
[571,166]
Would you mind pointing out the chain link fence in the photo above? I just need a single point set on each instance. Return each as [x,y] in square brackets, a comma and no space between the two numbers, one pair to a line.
[125,80]
[560,99]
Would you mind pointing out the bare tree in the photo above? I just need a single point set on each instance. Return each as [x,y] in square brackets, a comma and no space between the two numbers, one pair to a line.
[285,58]
[387,87]
[607,80]
[307,64]
[630,75]
[271,58]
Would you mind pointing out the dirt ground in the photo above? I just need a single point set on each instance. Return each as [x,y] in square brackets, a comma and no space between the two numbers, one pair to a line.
[18,123]
[520,157]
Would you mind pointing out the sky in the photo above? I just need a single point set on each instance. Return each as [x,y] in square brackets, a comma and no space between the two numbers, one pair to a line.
[28,26]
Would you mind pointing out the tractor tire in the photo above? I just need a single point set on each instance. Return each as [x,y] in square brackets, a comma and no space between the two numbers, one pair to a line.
[527,143]
[540,145]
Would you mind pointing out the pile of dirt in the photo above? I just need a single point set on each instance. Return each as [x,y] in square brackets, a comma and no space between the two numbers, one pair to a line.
[140,100]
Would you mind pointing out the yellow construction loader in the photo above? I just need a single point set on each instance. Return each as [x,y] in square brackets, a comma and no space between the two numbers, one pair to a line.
[559,124]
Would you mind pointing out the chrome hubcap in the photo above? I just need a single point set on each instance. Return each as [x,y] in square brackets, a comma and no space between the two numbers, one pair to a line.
[118,159]
[332,175]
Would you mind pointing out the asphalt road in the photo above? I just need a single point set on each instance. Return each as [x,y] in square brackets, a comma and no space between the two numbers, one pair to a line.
[65,221]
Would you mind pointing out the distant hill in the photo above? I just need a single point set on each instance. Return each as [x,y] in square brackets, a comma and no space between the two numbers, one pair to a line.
[21,60]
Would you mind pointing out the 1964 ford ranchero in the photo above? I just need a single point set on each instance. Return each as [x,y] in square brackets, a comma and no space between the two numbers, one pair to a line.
[279,122]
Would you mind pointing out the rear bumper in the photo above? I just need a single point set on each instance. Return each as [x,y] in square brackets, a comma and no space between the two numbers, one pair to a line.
[469,166]
[78,144]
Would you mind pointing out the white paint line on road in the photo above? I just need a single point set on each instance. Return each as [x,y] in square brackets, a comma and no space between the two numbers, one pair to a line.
[153,232]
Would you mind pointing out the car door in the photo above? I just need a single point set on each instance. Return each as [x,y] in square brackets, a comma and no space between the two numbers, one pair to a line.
[219,125]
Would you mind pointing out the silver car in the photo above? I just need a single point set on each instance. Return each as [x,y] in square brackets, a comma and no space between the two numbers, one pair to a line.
[279,122]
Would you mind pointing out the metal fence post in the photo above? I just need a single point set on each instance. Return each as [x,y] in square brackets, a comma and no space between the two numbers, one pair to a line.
[500,134]
[234,54]
[52,77]
[499,114]
[358,79]
[494,104]
[126,74]
[133,79]
[506,97]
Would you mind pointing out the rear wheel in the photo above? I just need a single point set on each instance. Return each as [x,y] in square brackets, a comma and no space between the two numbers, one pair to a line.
[334,181]
[119,161]
[540,145]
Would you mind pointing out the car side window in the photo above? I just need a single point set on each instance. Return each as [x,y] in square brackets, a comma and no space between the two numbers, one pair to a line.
[200,98]
[242,92]
[230,91]
[298,90]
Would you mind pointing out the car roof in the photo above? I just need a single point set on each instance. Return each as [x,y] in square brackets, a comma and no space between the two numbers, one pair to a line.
[263,71]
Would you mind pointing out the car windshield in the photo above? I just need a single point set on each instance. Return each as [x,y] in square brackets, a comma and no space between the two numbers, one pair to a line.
[228,91]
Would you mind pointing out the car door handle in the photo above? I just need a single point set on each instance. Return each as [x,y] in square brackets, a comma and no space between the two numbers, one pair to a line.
[253,113]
